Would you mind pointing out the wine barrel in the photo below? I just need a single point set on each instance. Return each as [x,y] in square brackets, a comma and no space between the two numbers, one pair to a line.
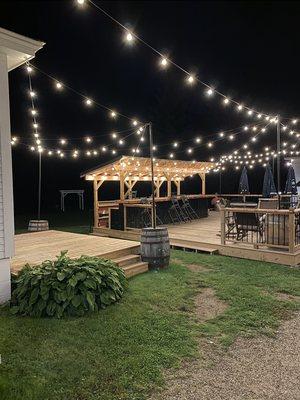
[155,247]
[36,225]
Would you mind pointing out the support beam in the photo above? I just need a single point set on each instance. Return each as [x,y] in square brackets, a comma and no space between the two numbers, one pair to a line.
[202,176]
[169,187]
[97,185]
[129,184]
[177,183]
[158,184]
[122,194]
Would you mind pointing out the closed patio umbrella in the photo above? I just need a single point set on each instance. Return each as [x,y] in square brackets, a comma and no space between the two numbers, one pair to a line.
[290,185]
[244,184]
[268,185]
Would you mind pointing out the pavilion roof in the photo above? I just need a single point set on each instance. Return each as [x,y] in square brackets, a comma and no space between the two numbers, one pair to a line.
[139,168]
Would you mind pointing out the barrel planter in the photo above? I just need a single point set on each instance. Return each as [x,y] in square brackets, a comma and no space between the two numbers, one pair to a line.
[155,247]
[36,225]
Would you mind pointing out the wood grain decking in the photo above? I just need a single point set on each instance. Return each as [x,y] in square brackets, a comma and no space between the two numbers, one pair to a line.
[33,248]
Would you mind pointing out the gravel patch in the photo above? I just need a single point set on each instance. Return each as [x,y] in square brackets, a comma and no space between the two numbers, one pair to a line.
[260,368]
[208,305]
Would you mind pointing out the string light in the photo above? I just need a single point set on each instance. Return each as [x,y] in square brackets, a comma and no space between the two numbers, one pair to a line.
[209,92]
[164,62]
[58,85]
[226,101]
[191,79]
[113,114]
[88,139]
[88,102]
[129,37]
[29,69]
[33,112]
[32,94]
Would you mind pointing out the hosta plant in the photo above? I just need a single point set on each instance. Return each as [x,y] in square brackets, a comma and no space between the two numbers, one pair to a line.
[67,287]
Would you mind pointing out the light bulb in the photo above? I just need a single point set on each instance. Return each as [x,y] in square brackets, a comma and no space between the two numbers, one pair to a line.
[175,144]
[134,122]
[104,149]
[190,79]
[28,68]
[209,92]
[250,112]
[35,125]
[58,85]
[164,62]
[88,139]
[33,112]
[240,107]
[32,93]
[221,134]
[129,37]
[81,2]
[113,114]
[226,101]
[63,141]
[171,155]
[198,140]
[209,144]
[88,102]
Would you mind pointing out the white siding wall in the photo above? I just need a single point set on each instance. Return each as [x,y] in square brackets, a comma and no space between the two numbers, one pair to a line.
[1,213]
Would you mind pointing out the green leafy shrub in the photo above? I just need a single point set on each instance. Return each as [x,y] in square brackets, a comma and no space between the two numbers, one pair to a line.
[67,287]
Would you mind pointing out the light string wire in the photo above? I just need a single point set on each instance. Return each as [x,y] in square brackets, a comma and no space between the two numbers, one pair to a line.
[207,86]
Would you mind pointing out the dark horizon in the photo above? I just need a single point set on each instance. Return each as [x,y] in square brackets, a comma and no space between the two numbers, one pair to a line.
[248,50]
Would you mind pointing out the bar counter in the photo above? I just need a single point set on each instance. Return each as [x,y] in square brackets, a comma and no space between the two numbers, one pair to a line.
[130,213]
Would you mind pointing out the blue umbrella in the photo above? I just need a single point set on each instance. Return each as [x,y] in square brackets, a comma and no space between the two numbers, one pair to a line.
[290,185]
[244,184]
[268,185]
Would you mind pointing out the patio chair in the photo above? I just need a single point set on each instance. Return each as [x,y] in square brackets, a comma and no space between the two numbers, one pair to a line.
[188,209]
[248,222]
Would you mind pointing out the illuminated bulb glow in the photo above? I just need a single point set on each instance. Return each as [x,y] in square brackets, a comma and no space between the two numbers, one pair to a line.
[29,69]
[134,122]
[35,125]
[33,112]
[198,140]
[209,92]
[129,37]
[32,94]
[226,101]
[88,102]
[113,114]
[191,79]
[88,139]
[164,62]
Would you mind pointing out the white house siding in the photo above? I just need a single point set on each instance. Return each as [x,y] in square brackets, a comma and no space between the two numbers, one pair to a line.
[6,191]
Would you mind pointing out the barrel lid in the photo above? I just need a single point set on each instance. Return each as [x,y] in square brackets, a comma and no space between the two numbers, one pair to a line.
[159,229]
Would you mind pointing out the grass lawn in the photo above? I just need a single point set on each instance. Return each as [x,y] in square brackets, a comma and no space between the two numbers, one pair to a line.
[70,221]
[120,352]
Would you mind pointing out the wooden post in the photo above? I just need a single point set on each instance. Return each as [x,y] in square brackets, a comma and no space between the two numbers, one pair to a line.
[169,187]
[291,230]
[177,183]
[122,195]
[202,176]
[158,185]
[222,215]
[96,210]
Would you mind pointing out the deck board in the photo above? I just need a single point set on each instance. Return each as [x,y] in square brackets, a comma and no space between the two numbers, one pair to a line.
[35,247]
[205,230]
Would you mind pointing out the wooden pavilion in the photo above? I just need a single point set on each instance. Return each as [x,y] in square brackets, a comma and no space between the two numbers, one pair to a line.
[129,170]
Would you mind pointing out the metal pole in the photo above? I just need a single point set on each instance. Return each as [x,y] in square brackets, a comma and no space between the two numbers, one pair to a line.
[39,185]
[278,154]
[152,176]
[220,182]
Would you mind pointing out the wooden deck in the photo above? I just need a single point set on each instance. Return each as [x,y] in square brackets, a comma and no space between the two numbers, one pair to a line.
[204,235]
[35,247]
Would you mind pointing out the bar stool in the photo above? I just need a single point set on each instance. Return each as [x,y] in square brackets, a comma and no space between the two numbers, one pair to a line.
[186,206]
[176,213]
[146,214]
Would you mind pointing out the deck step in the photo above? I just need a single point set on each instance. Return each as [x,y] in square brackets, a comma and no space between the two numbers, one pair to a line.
[191,246]
[135,269]
[127,260]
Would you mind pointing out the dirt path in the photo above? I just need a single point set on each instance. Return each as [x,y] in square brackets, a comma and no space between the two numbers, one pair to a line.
[261,368]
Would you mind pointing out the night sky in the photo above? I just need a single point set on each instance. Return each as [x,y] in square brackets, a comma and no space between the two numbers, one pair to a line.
[247,50]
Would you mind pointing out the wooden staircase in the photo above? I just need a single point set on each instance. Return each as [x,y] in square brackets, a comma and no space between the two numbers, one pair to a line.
[131,263]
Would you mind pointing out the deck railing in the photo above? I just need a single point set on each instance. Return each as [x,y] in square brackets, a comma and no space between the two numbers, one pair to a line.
[261,227]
